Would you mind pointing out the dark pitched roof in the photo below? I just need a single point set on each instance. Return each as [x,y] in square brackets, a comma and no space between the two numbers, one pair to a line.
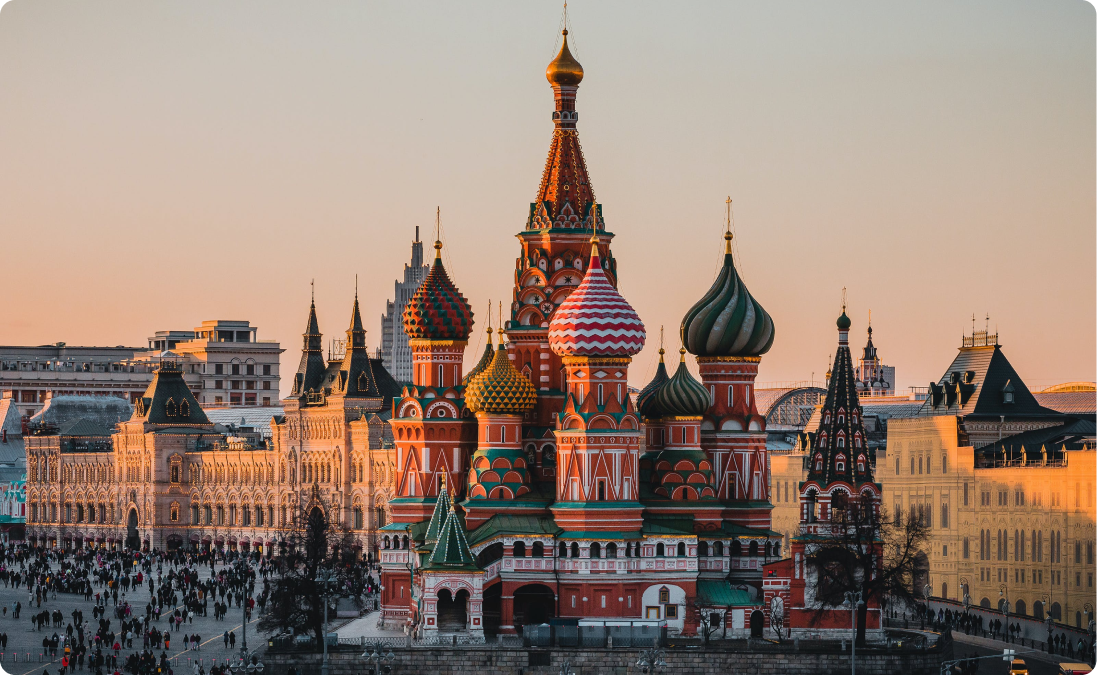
[976,383]
[310,371]
[1075,434]
[85,427]
[841,431]
[168,400]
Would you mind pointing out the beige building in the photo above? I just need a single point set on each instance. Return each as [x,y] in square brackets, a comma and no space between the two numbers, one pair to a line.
[1006,486]
[223,363]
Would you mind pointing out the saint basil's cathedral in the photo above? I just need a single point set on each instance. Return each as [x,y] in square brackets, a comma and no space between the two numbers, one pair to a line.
[533,487]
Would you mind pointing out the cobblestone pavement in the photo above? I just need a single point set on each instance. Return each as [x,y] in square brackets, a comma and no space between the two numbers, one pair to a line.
[26,642]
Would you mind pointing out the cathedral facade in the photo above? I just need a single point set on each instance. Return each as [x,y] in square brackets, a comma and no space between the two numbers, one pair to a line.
[533,486]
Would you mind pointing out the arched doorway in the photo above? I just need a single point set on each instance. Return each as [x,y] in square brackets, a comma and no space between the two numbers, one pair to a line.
[175,542]
[1020,608]
[534,604]
[132,540]
[452,610]
[1038,610]
[757,619]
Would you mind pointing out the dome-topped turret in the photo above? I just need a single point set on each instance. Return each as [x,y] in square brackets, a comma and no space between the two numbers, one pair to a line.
[564,69]
[595,320]
[437,310]
[645,400]
[500,388]
[727,321]
[682,395]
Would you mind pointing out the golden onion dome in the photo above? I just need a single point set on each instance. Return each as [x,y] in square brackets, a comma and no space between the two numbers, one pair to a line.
[564,69]
[500,388]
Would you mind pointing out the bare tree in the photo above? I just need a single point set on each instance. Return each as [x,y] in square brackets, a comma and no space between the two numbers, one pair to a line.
[777,617]
[704,614]
[297,601]
[860,552]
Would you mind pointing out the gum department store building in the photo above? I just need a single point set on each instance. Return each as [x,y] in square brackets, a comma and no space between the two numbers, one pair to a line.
[531,487]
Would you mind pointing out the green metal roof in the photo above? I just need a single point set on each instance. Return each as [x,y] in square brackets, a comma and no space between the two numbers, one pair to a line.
[508,524]
[721,594]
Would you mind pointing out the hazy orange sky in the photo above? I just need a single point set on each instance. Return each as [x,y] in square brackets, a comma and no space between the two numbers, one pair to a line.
[162,163]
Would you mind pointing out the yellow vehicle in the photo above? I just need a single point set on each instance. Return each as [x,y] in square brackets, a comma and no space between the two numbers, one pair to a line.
[1018,667]
[1075,669]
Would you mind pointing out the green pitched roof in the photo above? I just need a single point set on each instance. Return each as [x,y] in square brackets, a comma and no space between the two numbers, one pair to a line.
[452,550]
[442,507]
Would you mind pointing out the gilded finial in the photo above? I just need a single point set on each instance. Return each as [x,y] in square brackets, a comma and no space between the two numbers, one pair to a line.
[594,241]
[661,350]
[489,323]
[500,323]
[682,351]
[727,231]
[438,232]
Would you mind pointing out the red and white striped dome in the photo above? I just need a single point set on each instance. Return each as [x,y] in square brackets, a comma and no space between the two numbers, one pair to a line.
[595,320]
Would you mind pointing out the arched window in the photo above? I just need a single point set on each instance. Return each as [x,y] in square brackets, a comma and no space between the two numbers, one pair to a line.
[611,550]
[840,461]
[519,549]
[818,462]
[681,549]
[595,550]
[860,463]
[574,550]
[563,552]
[660,550]
[718,548]
[753,549]
[538,549]
[702,549]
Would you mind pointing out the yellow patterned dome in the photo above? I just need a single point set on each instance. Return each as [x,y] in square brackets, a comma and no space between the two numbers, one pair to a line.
[500,389]
[564,69]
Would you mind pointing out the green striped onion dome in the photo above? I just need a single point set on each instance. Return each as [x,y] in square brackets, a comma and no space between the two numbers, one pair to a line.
[682,395]
[645,400]
[727,321]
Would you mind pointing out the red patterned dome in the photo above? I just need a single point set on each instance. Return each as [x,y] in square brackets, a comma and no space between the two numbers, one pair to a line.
[595,320]
[437,310]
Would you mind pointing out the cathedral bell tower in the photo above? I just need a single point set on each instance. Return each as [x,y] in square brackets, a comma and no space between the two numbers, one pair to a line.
[728,331]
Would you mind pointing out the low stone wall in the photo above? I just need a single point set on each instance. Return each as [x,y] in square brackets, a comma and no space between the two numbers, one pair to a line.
[481,661]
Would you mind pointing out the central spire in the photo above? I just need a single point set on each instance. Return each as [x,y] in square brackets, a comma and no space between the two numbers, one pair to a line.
[565,198]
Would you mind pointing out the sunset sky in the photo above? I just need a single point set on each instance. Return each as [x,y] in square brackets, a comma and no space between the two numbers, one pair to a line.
[162,163]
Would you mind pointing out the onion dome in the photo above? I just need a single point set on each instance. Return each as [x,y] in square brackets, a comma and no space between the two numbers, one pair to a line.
[645,400]
[844,323]
[595,320]
[437,310]
[727,321]
[485,358]
[500,389]
[682,395]
[564,69]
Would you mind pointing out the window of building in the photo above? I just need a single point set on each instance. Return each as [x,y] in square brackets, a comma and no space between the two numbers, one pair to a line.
[208,515]
[251,369]
[944,514]
[236,369]
[944,463]
[219,369]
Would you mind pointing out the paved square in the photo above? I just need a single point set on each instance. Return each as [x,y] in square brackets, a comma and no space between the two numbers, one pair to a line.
[26,642]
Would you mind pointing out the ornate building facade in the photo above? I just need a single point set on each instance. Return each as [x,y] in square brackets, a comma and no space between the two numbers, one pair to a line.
[169,478]
[557,495]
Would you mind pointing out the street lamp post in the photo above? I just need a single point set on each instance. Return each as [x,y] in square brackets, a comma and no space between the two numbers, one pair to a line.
[324,579]
[378,659]
[248,664]
[652,661]
[854,599]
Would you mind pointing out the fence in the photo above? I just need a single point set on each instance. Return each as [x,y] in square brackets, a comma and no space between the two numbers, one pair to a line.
[623,636]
